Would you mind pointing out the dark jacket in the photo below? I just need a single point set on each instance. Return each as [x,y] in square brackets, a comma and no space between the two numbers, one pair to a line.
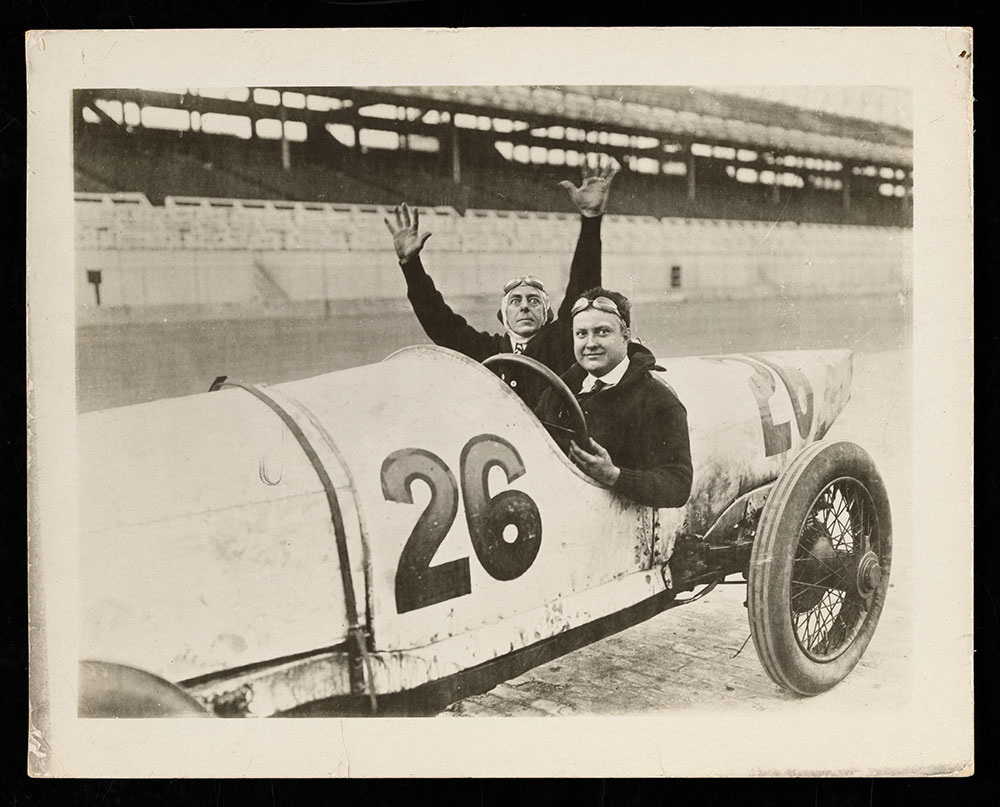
[641,424]
[552,345]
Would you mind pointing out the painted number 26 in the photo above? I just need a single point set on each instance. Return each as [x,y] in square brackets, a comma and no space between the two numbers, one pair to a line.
[418,584]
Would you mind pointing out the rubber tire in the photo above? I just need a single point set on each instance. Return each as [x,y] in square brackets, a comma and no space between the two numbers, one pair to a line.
[774,549]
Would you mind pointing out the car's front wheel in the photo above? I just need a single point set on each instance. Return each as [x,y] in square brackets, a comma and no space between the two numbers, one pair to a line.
[819,569]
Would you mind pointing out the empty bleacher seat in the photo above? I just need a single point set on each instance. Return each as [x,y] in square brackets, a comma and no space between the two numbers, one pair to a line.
[712,253]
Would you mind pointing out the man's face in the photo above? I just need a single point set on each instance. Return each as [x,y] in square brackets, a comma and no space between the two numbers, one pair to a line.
[600,341]
[525,310]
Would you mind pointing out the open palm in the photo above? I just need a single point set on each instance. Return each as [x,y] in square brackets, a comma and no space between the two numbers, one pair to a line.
[591,196]
[406,236]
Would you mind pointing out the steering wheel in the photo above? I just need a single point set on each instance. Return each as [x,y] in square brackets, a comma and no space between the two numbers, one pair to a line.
[578,422]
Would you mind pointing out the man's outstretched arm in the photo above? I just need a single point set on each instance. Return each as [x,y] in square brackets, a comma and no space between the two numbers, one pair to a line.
[442,325]
[590,199]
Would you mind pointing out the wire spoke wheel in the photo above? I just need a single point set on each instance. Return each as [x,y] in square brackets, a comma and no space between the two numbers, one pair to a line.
[820,566]
[827,611]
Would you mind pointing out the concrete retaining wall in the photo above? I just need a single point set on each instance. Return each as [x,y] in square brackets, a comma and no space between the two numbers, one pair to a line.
[256,282]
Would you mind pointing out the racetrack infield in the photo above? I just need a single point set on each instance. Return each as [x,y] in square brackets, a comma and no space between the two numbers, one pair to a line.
[120,364]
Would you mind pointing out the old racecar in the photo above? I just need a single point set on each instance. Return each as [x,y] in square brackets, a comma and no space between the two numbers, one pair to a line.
[394,537]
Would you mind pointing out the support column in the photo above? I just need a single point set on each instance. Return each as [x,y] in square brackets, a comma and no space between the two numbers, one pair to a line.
[690,174]
[456,157]
[353,119]
[286,154]
[79,125]
[845,181]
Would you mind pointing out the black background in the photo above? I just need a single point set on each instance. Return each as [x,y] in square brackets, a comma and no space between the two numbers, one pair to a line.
[17,789]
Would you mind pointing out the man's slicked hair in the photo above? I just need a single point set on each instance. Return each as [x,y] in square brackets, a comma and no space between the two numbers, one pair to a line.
[619,299]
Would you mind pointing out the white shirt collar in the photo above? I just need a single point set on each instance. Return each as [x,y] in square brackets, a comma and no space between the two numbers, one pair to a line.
[517,339]
[610,378]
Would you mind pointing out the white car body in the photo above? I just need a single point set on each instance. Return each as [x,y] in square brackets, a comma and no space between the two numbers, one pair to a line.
[210,557]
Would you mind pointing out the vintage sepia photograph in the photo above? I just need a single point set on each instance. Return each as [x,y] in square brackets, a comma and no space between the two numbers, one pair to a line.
[396,401]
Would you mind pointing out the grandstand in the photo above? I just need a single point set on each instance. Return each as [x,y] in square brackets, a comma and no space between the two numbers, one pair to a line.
[262,198]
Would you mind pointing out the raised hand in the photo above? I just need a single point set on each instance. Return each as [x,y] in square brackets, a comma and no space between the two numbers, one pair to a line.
[592,195]
[406,237]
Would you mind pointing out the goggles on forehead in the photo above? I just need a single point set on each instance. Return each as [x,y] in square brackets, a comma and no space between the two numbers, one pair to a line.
[600,303]
[527,280]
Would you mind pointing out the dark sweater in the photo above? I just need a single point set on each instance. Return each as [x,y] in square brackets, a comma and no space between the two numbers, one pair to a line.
[552,345]
[642,425]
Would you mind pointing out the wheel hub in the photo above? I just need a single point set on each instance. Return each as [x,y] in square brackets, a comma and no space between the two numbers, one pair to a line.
[813,568]
[869,574]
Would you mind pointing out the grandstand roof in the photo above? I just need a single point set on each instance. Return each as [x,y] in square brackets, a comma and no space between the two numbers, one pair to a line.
[689,112]
[873,114]
[682,112]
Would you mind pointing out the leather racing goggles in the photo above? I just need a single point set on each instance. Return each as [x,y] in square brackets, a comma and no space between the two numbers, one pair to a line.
[600,303]
[527,280]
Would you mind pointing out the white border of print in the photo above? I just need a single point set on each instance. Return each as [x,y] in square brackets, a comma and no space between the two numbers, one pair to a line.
[931,735]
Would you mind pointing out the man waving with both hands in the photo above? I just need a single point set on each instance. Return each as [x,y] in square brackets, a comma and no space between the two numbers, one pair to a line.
[530,327]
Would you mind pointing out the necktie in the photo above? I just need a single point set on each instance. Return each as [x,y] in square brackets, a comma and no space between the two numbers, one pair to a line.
[598,386]
[519,347]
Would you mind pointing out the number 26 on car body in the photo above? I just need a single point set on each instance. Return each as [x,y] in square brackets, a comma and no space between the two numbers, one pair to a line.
[418,584]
